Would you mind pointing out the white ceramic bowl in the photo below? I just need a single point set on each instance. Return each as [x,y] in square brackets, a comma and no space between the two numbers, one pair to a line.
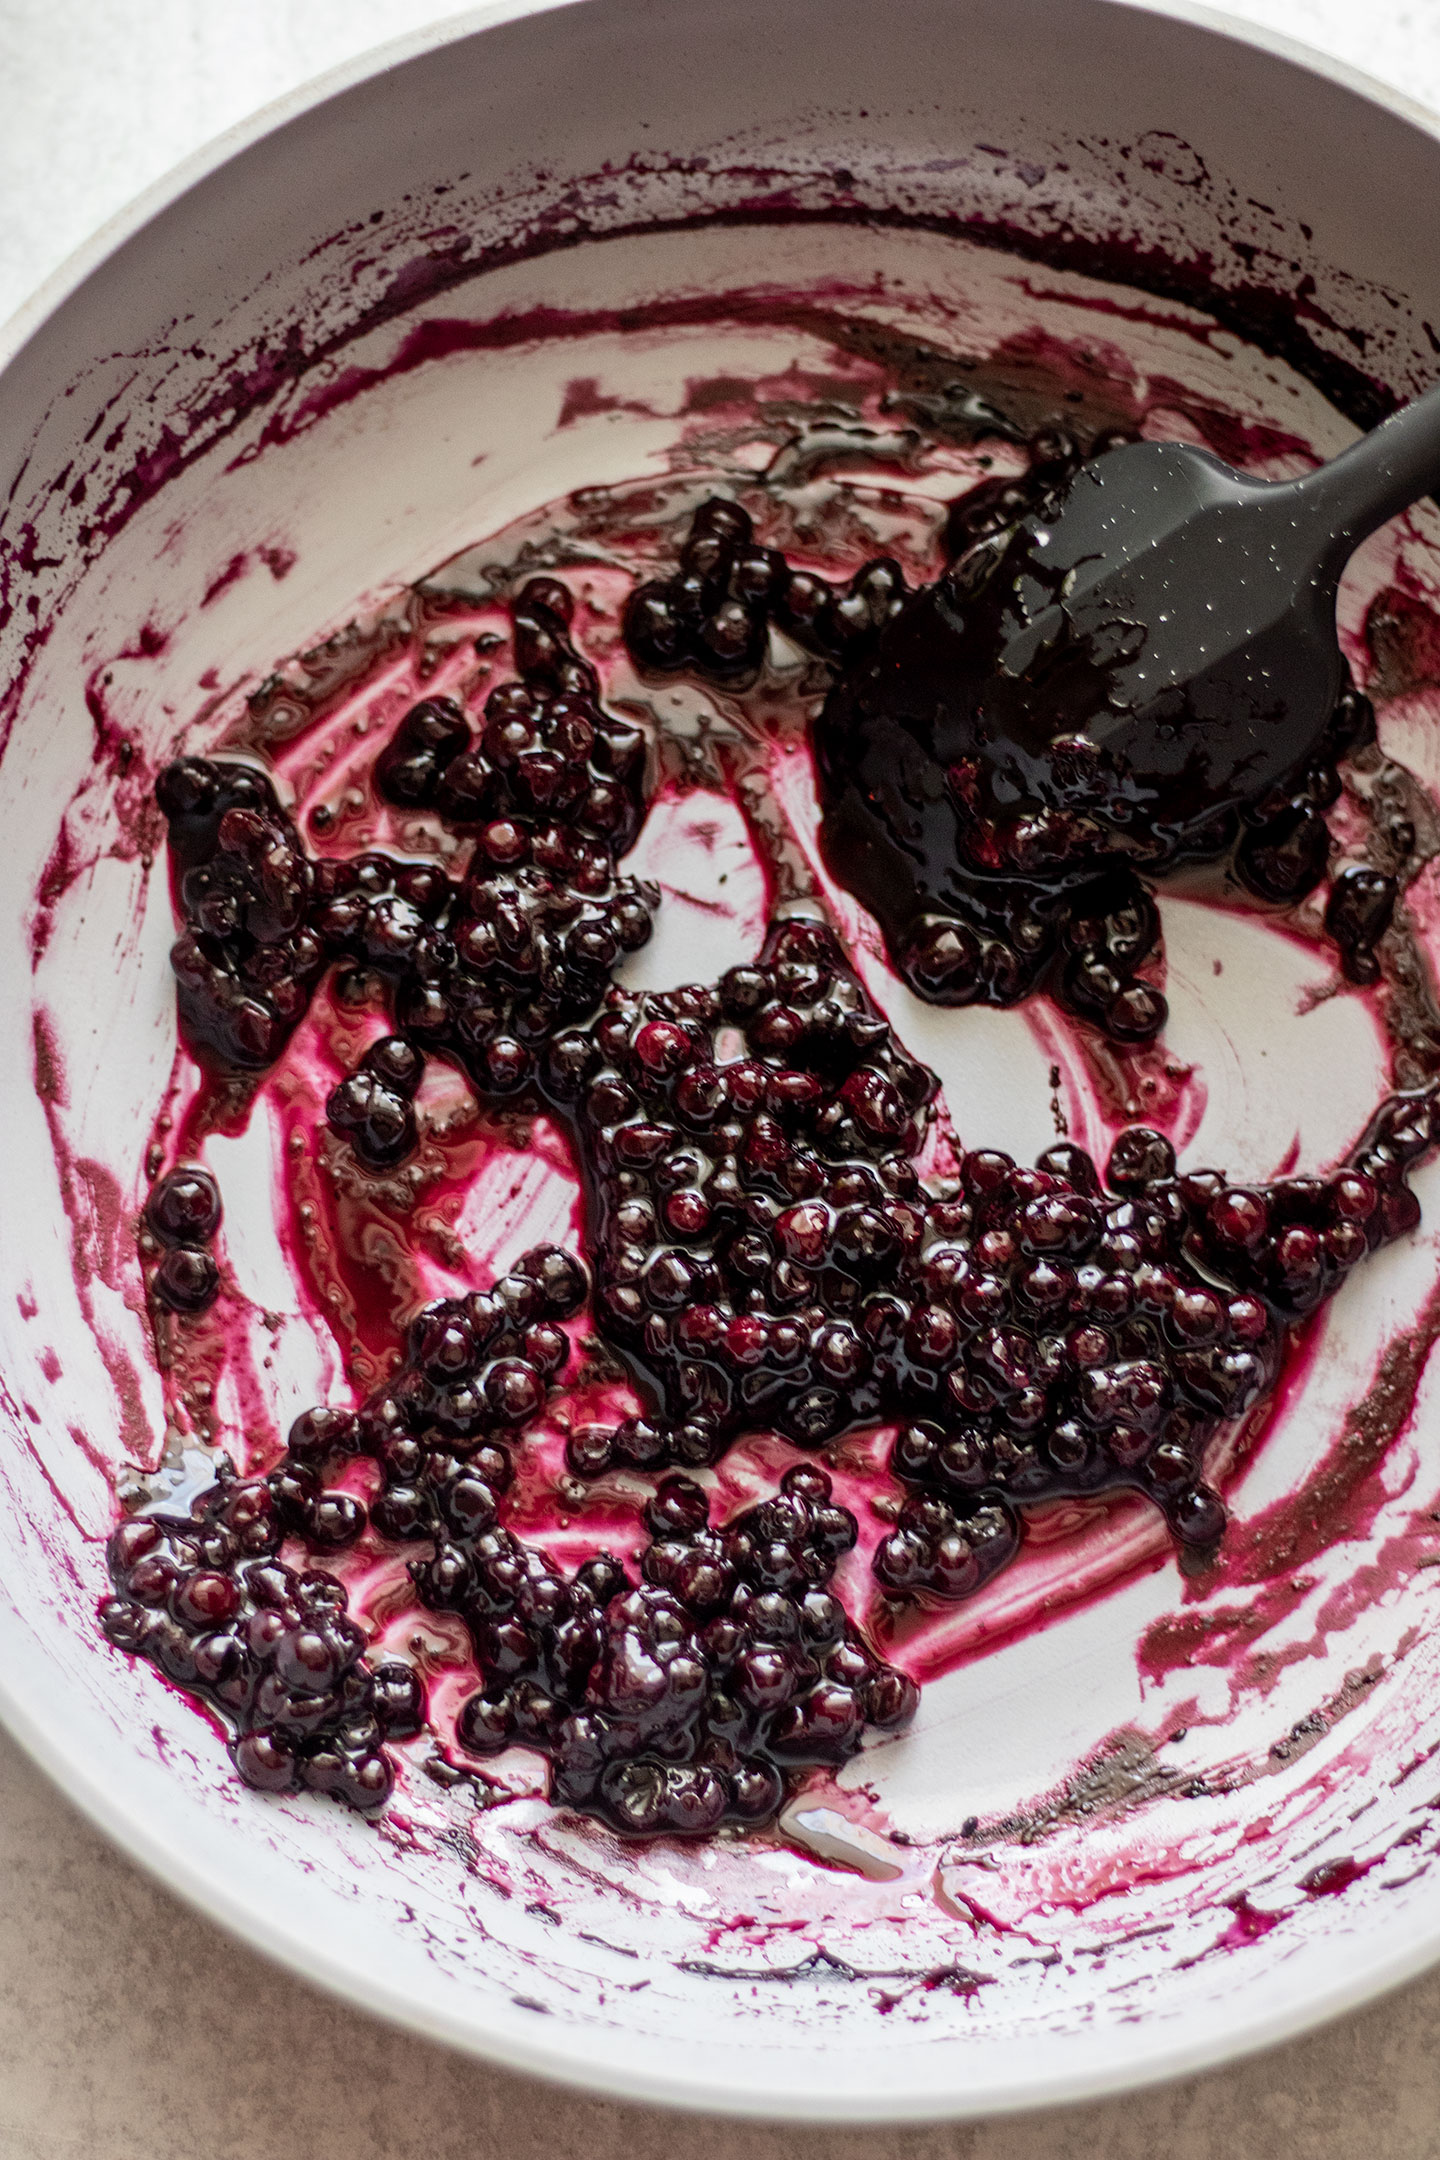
[332,352]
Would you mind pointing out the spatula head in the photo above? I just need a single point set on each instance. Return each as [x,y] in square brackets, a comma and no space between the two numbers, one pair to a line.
[1119,678]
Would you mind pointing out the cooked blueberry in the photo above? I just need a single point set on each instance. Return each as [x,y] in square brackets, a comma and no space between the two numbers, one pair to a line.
[184,1207]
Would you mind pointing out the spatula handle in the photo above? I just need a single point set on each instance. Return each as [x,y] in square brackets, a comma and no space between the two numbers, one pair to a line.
[1378,476]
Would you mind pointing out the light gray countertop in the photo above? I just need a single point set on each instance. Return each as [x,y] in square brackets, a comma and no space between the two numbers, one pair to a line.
[130,2028]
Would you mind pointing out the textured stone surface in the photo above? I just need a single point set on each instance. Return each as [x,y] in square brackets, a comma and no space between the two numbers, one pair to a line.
[131,2029]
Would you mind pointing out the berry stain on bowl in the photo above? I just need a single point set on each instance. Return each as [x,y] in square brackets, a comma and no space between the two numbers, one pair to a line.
[743,1187]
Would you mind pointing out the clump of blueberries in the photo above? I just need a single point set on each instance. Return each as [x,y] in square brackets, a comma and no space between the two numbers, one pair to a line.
[246,962]
[747,1213]
[713,617]
[689,1699]
[183,1213]
[483,969]
[1107,1339]
[207,1599]
[766,1253]
[271,1649]
[551,778]
[374,1107]
[478,1371]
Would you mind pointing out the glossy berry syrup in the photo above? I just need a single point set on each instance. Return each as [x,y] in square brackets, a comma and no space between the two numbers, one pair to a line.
[779,1235]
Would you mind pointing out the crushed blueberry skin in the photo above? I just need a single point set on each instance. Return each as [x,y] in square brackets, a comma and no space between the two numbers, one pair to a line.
[777,1236]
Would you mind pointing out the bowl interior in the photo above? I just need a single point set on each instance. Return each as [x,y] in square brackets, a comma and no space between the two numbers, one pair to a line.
[1203,1808]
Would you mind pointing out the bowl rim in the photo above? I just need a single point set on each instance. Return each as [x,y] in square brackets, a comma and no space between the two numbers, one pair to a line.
[122,225]
[202,1883]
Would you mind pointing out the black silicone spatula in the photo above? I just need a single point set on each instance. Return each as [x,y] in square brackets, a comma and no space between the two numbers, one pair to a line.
[1168,613]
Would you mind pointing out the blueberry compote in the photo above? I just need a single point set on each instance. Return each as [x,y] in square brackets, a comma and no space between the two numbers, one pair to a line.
[271,1648]
[1001,824]
[778,1233]
[686,1700]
